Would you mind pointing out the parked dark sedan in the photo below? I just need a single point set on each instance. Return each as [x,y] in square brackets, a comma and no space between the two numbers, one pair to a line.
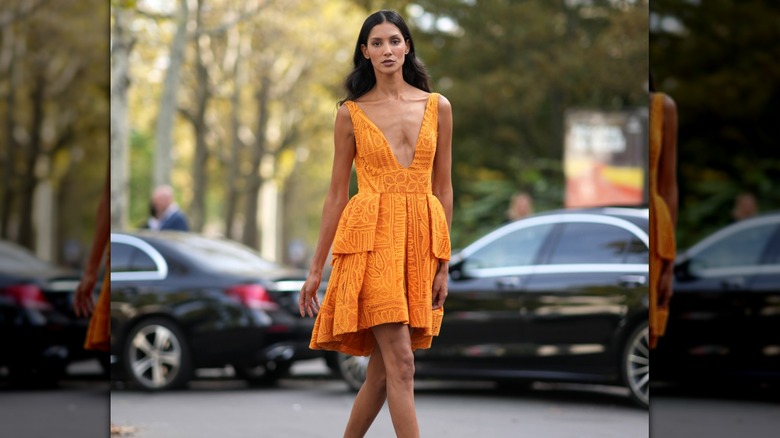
[724,321]
[560,296]
[181,301]
[39,333]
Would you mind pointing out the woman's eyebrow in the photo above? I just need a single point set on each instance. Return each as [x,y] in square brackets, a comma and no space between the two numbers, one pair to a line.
[380,38]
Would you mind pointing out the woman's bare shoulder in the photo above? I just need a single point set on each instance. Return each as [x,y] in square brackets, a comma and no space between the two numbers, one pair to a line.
[343,116]
[444,103]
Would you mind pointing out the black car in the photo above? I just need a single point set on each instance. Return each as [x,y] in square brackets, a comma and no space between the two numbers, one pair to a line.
[182,301]
[39,333]
[724,318]
[560,296]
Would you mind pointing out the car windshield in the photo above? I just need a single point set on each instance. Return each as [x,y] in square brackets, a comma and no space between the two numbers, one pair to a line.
[222,255]
[17,259]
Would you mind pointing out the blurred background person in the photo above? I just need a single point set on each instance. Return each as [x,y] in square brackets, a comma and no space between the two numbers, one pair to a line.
[520,205]
[167,215]
[745,206]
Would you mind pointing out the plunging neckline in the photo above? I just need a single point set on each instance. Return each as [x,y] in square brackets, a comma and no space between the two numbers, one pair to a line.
[387,142]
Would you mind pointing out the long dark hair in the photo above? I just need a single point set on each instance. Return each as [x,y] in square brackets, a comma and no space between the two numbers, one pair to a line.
[362,78]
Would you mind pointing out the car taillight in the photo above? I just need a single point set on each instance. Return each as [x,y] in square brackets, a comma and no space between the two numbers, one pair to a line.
[253,296]
[28,296]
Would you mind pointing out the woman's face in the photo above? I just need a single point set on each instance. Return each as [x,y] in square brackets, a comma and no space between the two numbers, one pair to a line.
[386,48]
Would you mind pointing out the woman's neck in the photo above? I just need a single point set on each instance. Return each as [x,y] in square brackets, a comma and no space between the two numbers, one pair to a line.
[390,86]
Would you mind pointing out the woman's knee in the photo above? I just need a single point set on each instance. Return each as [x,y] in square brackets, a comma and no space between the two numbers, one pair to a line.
[403,367]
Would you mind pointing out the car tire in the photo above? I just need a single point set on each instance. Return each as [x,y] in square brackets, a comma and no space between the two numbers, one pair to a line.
[36,375]
[635,364]
[264,374]
[332,362]
[353,369]
[156,355]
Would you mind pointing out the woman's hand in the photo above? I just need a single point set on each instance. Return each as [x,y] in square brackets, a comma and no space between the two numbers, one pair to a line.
[83,301]
[440,287]
[308,302]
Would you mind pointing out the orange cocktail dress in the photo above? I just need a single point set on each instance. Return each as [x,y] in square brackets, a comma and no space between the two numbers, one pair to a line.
[388,244]
[662,240]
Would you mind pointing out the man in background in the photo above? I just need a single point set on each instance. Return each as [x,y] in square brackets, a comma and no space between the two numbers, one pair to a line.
[167,215]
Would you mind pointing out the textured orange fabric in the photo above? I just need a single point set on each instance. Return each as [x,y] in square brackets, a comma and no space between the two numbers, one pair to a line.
[662,239]
[388,243]
[99,331]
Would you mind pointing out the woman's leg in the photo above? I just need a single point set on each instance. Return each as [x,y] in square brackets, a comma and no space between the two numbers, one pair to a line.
[395,343]
[370,398]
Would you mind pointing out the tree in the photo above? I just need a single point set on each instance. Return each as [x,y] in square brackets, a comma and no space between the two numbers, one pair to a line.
[724,78]
[122,44]
[54,108]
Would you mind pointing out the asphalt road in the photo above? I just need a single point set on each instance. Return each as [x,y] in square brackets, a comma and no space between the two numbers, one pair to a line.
[714,411]
[78,407]
[312,405]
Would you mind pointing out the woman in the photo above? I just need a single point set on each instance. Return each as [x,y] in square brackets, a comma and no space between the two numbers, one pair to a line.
[390,241]
[663,208]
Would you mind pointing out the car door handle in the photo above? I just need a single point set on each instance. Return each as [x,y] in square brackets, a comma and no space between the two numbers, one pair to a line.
[508,282]
[632,280]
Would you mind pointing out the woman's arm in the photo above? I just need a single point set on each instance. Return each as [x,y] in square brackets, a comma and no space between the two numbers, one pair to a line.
[442,189]
[667,173]
[83,302]
[667,188]
[335,201]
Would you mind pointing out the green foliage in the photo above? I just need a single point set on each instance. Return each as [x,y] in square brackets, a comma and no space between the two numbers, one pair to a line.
[141,155]
[718,61]
[511,70]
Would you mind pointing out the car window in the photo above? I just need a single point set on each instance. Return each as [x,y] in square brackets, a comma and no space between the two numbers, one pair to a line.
[637,252]
[584,242]
[741,248]
[222,255]
[128,258]
[14,258]
[518,248]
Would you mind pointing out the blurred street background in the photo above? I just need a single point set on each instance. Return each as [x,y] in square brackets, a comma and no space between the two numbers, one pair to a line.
[232,103]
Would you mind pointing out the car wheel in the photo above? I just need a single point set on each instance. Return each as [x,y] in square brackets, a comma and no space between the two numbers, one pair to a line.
[156,355]
[264,374]
[353,369]
[635,365]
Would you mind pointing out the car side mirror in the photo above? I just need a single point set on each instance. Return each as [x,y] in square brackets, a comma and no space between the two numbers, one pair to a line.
[456,270]
[682,271]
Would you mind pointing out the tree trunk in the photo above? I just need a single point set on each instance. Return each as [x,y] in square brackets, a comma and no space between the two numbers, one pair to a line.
[202,94]
[251,235]
[10,74]
[163,161]
[29,178]
[120,135]
[233,178]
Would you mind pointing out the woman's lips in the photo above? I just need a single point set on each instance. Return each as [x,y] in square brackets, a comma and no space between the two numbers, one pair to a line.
[388,62]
